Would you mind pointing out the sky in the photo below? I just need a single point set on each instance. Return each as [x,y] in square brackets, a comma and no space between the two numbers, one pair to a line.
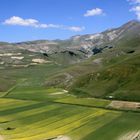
[24,20]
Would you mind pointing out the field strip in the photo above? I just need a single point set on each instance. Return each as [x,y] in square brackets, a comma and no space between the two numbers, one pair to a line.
[49,118]
[38,116]
[35,128]
[132,107]
[5,101]
[93,125]
[58,93]
[124,105]
[85,101]
[16,118]
[20,109]
[32,128]
[41,91]
[86,106]
[14,105]
[28,113]
[64,126]
[57,124]
[69,127]
[107,107]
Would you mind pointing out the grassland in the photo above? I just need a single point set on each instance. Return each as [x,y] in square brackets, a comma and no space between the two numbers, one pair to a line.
[35,106]
[29,113]
[119,79]
[42,120]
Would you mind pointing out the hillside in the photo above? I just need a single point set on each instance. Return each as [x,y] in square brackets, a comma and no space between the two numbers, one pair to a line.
[82,88]
[75,49]
[107,62]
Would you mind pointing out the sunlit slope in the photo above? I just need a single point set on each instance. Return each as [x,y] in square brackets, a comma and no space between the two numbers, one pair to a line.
[119,80]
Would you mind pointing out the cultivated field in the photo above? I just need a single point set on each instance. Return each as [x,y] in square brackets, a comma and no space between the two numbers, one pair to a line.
[53,114]
[29,110]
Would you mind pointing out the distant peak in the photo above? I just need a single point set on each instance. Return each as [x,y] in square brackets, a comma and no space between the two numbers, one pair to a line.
[132,22]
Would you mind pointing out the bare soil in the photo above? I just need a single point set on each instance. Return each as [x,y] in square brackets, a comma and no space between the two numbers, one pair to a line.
[125,105]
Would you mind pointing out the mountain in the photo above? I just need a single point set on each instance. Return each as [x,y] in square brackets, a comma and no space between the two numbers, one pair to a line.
[72,50]
[119,72]
[109,59]
[111,73]
[86,43]
[83,88]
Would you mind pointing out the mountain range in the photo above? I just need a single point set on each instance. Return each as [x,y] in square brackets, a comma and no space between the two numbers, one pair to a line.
[100,65]
[77,47]
[84,88]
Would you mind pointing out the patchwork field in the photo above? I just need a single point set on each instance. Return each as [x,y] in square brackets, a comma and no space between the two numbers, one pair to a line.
[53,114]
[86,87]
[31,110]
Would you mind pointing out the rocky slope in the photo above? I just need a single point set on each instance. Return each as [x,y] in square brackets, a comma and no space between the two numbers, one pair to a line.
[71,50]
[108,63]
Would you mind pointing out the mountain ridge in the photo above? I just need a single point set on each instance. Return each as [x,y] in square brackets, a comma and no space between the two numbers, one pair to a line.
[76,48]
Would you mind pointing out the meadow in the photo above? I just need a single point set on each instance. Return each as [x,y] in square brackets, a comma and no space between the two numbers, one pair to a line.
[30,110]
[47,114]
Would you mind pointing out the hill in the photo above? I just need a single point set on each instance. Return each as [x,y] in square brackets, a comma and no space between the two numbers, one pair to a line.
[83,88]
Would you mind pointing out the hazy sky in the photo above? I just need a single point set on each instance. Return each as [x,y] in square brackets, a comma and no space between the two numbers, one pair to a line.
[22,20]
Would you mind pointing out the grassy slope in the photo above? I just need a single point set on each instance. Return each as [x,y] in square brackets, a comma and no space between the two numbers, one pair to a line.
[33,76]
[30,118]
[118,76]
[32,111]
[120,80]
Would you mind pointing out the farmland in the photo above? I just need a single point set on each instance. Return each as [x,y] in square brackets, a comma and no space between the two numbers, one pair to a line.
[58,90]
[47,114]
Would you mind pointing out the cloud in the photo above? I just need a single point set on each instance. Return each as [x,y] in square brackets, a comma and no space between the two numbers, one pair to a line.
[135,8]
[76,29]
[94,12]
[22,22]
[134,1]
[15,20]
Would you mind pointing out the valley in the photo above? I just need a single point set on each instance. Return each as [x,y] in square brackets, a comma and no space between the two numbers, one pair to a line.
[83,88]
[53,114]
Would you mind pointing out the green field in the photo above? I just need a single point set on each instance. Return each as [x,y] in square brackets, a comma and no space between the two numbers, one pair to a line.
[35,104]
[47,114]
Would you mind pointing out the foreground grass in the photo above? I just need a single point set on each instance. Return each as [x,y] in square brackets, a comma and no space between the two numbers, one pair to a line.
[35,119]
[30,111]
[127,122]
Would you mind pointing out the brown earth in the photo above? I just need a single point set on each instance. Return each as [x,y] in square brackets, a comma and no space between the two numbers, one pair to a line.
[125,105]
